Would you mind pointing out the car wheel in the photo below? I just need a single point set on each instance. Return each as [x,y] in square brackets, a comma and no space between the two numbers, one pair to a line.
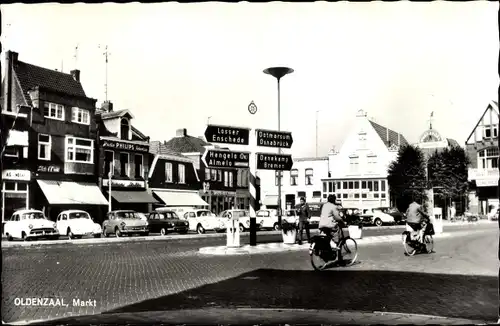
[70,234]
[23,236]
[378,222]
[200,229]
[118,233]
[242,228]
[9,237]
[163,231]
[276,226]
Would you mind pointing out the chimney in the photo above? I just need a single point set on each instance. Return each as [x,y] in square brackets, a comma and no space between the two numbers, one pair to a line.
[12,56]
[76,74]
[107,106]
[399,139]
[181,132]
[10,61]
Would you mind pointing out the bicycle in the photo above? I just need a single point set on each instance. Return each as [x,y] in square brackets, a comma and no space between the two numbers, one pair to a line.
[321,248]
[413,245]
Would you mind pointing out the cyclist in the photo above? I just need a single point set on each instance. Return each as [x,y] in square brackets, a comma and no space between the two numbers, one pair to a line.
[414,218]
[330,219]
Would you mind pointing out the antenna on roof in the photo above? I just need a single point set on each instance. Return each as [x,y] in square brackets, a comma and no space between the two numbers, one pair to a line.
[75,56]
[62,65]
[106,55]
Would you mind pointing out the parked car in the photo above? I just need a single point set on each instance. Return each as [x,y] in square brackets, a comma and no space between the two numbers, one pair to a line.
[244,218]
[165,222]
[381,216]
[351,215]
[76,223]
[269,218]
[28,224]
[122,222]
[202,220]
[399,218]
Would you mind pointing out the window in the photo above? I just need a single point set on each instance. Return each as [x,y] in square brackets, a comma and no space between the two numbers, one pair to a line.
[489,158]
[12,186]
[370,185]
[239,174]
[245,175]
[354,164]
[363,195]
[331,186]
[231,177]
[382,185]
[350,185]
[309,177]
[316,194]
[362,140]
[80,116]
[44,147]
[372,163]
[53,111]
[488,132]
[214,175]
[356,184]
[219,173]
[301,194]
[375,185]
[138,166]
[278,175]
[207,174]
[294,175]
[226,179]
[11,151]
[79,150]
[363,184]
[182,173]
[168,172]
[124,128]
[356,196]
[344,196]
[124,165]
[324,186]
[344,185]
[109,157]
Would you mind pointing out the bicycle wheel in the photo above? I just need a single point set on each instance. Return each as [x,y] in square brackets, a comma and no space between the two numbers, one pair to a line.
[348,251]
[429,243]
[410,251]
[317,258]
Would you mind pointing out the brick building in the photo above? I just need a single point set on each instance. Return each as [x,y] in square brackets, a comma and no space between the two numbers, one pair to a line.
[49,163]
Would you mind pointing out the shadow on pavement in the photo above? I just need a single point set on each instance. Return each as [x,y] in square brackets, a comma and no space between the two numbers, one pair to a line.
[456,296]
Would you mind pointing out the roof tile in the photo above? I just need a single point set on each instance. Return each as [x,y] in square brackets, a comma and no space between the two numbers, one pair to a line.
[393,136]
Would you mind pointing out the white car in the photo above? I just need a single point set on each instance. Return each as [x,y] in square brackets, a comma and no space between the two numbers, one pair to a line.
[201,220]
[30,224]
[243,216]
[76,223]
[269,218]
[378,216]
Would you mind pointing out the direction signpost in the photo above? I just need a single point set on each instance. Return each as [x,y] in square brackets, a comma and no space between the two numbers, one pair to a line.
[227,135]
[278,162]
[221,158]
[275,139]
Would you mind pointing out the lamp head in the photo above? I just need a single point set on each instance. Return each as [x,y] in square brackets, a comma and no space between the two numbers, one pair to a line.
[278,72]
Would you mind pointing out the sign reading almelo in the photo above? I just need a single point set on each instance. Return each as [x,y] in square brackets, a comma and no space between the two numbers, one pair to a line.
[276,139]
[280,162]
[227,135]
[213,158]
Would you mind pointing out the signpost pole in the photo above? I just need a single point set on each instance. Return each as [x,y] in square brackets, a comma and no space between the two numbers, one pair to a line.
[252,189]
[112,168]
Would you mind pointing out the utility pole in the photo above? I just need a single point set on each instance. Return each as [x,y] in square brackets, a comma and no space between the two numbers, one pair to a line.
[317,133]
[106,54]
[75,56]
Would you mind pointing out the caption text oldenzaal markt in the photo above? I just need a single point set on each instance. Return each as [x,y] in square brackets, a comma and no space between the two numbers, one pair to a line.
[54,302]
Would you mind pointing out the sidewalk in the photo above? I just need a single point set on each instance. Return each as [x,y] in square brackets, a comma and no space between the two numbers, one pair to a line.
[281,247]
[259,316]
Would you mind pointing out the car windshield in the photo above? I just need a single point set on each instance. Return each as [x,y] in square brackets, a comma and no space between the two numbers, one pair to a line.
[33,216]
[76,215]
[203,213]
[168,215]
[130,215]
[240,213]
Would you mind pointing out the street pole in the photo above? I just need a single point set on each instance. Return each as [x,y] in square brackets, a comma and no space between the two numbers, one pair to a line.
[317,133]
[278,73]
[110,174]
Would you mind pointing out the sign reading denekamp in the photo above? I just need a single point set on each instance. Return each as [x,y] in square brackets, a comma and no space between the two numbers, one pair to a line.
[280,162]
[227,135]
[213,158]
[275,139]
[124,146]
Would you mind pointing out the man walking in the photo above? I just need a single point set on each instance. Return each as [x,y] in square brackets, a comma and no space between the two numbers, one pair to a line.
[304,214]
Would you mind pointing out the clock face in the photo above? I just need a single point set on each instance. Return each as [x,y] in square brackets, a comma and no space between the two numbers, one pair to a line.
[252,108]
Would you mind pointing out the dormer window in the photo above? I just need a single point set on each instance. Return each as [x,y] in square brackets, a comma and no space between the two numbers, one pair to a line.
[81,116]
[124,129]
[53,111]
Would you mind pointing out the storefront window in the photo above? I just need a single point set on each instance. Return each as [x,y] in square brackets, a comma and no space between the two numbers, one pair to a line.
[109,157]
[207,174]
[124,164]
[138,166]
[309,177]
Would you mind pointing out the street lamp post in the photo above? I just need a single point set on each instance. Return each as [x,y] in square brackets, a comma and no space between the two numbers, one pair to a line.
[278,73]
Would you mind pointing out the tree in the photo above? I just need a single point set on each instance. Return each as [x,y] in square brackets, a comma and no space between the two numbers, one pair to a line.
[448,173]
[407,177]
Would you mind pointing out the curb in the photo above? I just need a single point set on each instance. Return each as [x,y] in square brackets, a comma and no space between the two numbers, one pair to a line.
[277,247]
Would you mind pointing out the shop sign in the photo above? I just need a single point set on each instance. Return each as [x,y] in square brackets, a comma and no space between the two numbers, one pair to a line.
[474,174]
[49,168]
[487,182]
[124,183]
[21,175]
[222,193]
[125,146]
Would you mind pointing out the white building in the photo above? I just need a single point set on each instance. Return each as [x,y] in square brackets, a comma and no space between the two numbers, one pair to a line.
[304,180]
[358,171]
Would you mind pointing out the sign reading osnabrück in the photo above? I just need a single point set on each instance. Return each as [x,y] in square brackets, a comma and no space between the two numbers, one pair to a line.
[227,135]
[276,139]
[214,158]
[280,162]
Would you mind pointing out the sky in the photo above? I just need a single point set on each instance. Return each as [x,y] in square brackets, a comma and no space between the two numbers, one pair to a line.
[182,65]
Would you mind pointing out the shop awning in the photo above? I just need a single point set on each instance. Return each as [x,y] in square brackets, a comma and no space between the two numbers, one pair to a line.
[132,197]
[72,193]
[17,138]
[175,198]
[270,200]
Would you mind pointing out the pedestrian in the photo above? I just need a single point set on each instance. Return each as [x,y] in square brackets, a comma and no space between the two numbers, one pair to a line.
[304,214]
[453,212]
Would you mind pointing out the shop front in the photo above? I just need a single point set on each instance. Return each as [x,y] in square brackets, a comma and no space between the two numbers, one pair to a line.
[218,200]
[483,197]
[15,191]
[180,198]
[129,195]
[242,199]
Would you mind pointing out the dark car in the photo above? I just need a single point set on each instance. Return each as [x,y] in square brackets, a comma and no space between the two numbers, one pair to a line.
[351,215]
[165,222]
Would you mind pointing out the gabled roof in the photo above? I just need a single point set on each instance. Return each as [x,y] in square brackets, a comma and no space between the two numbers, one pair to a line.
[157,147]
[393,136]
[138,133]
[452,142]
[116,114]
[31,76]
[494,106]
[186,144]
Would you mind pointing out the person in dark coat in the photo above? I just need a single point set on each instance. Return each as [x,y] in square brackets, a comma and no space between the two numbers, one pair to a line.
[304,214]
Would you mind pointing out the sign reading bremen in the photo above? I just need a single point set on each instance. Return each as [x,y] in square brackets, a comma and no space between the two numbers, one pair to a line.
[280,162]
[227,135]
[213,158]
[276,139]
